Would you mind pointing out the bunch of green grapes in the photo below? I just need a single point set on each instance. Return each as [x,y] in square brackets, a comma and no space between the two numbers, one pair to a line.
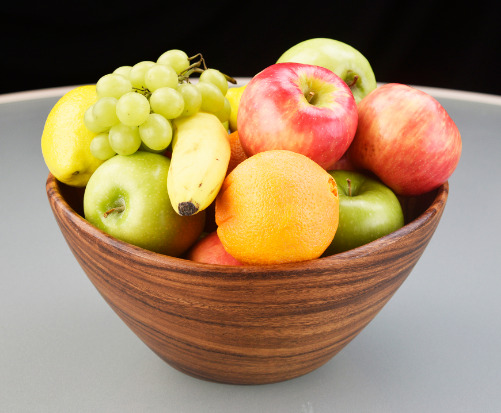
[137,104]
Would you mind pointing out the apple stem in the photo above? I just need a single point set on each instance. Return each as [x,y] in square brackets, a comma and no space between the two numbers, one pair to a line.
[352,83]
[309,96]
[121,208]
[348,181]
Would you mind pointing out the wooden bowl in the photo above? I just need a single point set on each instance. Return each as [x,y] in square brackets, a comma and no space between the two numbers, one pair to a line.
[246,325]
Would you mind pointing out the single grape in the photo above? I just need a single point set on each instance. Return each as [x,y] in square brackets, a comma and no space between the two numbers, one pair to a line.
[133,109]
[167,102]
[123,70]
[105,112]
[212,97]
[124,140]
[113,85]
[156,132]
[100,147]
[224,114]
[177,59]
[90,121]
[192,98]
[215,77]
[158,76]
[137,73]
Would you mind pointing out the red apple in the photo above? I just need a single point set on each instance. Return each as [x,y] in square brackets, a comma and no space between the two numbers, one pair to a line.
[343,164]
[302,108]
[210,250]
[406,138]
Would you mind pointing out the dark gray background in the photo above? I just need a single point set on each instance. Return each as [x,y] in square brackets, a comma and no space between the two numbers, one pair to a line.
[438,43]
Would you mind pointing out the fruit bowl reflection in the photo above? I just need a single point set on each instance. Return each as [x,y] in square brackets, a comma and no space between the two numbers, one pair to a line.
[253,324]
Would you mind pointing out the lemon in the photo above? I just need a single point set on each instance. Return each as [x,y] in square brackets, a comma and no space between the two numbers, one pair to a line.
[233,95]
[66,140]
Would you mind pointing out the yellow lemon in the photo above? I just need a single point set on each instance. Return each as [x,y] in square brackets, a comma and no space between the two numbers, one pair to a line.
[233,95]
[66,140]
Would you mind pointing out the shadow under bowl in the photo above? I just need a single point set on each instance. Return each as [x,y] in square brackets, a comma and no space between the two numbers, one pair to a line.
[251,324]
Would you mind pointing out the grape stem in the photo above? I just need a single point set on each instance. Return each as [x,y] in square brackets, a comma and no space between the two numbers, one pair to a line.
[184,76]
[143,90]
[199,62]
[230,79]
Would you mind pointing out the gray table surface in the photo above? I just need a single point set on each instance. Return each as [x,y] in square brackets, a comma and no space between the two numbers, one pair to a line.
[435,347]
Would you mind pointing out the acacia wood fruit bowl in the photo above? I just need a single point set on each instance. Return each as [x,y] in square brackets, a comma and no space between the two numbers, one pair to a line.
[246,325]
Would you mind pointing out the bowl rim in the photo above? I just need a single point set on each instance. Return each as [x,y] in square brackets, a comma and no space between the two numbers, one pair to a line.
[186,266]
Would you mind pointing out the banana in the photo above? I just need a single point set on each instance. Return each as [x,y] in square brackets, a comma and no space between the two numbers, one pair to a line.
[200,156]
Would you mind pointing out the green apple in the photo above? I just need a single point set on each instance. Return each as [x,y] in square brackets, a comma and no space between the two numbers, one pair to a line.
[368,210]
[342,59]
[126,198]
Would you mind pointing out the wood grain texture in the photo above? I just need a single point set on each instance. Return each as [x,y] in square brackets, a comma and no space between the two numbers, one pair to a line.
[246,325]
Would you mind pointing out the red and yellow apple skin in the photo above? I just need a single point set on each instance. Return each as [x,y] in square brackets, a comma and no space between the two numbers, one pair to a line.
[302,108]
[343,164]
[406,138]
[210,250]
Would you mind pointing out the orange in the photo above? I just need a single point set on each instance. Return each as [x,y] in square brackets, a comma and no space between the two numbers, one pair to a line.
[276,207]
[237,152]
